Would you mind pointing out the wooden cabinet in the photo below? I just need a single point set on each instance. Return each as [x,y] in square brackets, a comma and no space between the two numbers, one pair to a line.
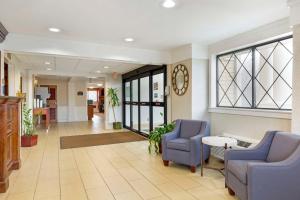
[90,111]
[9,138]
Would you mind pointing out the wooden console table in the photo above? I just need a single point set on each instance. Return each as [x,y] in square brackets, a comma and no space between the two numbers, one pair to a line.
[43,111]
[9,138]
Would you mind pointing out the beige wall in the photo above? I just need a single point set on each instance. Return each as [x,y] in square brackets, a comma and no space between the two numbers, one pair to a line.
[296,81]
[194,103]
[62,89]
[181,105]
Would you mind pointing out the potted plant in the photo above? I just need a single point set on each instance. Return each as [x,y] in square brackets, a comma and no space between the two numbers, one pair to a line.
[114,101]
[28,138]
[156,135]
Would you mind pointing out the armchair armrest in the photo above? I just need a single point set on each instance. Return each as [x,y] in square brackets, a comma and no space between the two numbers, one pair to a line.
[276,181]
[259,152]
[195,143]
[169,136]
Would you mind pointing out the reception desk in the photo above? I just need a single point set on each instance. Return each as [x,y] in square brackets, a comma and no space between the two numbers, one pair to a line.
[45,112]
[9,138]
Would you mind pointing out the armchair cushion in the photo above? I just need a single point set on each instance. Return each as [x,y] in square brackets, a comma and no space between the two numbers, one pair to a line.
[190,128]
[239,168]
[283,145]
[179,144]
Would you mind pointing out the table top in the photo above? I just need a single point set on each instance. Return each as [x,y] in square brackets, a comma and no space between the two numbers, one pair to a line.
[219,141]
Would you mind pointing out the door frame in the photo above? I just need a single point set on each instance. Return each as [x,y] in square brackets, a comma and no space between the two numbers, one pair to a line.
[148,70]
[52,86]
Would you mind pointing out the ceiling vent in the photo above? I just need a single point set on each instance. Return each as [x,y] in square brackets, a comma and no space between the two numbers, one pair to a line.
[3,32]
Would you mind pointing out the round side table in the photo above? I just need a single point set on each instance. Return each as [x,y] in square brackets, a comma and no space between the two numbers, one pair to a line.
[216,141]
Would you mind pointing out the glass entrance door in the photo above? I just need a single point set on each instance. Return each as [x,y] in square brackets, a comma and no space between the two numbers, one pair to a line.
[144,101]
[158,99]
[145,104]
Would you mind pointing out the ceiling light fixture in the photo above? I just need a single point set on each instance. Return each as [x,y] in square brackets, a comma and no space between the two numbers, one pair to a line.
[106,67]
[49,69]
[54,30]
[100,84]
[98,71]
[168,3]
[128,39]
[47,63]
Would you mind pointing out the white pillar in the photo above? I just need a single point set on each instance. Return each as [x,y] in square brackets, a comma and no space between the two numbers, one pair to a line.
[29,87]
[295,22]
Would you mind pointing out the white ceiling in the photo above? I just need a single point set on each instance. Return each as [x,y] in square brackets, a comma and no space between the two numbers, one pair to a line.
[72,66]
[153,27]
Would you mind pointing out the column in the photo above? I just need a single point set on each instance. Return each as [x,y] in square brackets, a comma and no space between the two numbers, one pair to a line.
[295,22]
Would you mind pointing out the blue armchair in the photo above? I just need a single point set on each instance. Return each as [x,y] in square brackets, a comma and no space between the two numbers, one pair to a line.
[183,144]
[271,170]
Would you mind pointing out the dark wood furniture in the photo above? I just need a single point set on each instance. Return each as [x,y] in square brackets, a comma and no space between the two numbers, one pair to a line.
[9,138]
[5,88]
[90,110]
[52,102]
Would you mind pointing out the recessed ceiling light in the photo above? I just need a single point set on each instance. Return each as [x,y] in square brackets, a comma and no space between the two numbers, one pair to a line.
[100,84]
[106,67]
[169,3]
[49,69]
[128,39]
[47,63]
[54,30]
[98,71]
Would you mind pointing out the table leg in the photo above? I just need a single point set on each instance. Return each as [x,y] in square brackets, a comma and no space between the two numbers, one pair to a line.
[202,159]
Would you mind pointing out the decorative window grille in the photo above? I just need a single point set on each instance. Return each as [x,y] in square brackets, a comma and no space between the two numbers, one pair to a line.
[257,77]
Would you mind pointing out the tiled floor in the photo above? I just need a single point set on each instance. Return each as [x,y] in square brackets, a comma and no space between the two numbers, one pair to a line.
[121,171]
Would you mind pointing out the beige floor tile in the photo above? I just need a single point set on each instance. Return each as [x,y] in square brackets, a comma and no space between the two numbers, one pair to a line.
[47,188]
[108,172]
[21,196]
[130,174]
[128,196]
[73,191]
[92,180]
[49,197]
[101,193]
[145,189]
[117,184]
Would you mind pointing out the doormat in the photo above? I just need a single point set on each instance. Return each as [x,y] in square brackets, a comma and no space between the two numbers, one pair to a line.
[77,141]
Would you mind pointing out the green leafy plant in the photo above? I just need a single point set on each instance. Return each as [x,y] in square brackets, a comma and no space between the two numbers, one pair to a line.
[28,121]
[156,135]
[113,100]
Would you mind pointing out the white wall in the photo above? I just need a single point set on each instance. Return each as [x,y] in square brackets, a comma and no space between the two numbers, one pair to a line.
[200,89]
[243,124]
[77,105]
[296,81]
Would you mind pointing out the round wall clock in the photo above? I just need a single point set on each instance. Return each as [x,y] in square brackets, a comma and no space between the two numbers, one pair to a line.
[180,79]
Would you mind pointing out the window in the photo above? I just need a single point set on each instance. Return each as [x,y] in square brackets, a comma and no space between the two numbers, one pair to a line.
[257,77]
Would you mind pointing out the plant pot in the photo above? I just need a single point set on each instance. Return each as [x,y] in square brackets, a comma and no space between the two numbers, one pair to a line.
[29,140]
[117,125]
